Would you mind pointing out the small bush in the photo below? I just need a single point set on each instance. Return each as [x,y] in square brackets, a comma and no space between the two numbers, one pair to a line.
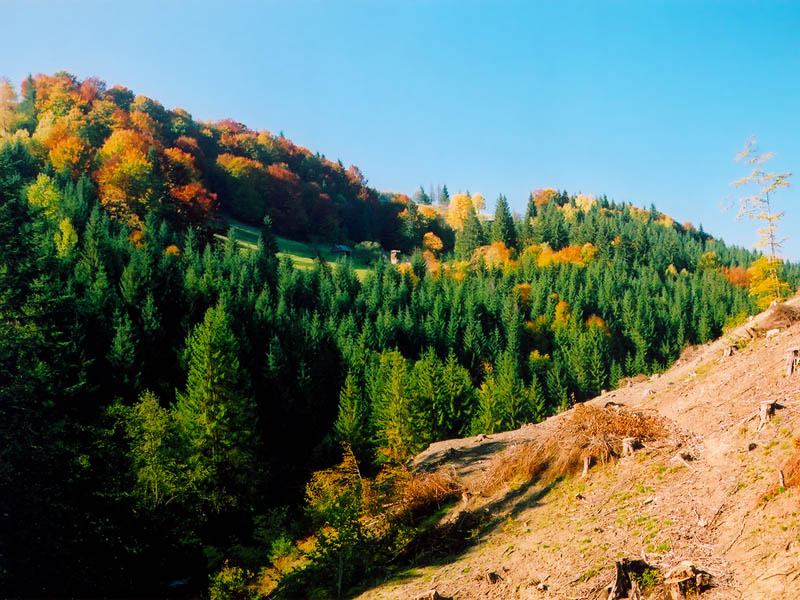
[231,583]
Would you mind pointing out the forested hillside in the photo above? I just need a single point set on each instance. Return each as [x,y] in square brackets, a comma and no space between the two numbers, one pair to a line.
[165,396]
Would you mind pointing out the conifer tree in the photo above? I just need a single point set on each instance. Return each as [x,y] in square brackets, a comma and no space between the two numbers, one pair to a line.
[503,225]
[352,426]
[215,418]
[470,236]
[525,237]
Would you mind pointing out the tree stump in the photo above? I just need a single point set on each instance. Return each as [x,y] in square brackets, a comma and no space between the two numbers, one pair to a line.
[624,586]
[628,445]
[586,462]
[767,409]
[430,595]
[686,581]
[792,360]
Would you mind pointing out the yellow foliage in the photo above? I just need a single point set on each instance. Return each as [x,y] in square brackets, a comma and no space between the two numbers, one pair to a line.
[479,202]
[708,261]
[494,254]
[432,242]
[43,194]
[66,238]
[429,212]
[766,285]
[570,212]
[457,212]
[543,196]
[172,250]
[577,255]
[588,252]
[585,202]
[563,314]
[666,221]
[71,153]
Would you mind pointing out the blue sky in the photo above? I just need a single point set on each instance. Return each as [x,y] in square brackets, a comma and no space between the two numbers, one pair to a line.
[644,101]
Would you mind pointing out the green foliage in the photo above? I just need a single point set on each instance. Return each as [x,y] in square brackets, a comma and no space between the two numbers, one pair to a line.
[503,226]
[470,236]
[232,583]
[215,418]
[111,476]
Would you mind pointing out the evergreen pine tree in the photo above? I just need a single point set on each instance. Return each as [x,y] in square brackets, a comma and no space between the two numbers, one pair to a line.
[215,418]
[503,225]
[470,236]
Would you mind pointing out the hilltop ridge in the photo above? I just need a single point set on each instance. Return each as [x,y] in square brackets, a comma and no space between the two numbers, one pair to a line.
[708,493]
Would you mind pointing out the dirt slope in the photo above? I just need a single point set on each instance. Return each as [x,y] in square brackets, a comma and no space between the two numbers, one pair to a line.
[562,540]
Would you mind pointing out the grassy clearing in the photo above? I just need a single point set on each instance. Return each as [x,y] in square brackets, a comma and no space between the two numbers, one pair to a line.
[302,254]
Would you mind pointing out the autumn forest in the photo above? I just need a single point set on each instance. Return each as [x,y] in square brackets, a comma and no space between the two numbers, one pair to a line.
[178,408]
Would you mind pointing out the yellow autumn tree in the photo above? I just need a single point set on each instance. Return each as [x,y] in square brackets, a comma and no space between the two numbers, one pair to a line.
[432,242]
[8,103]
[765,282]
[758,204]
[457,212]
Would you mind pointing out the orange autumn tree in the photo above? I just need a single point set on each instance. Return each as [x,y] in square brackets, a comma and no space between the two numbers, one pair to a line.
[125,177]
[543,196]
[193,202]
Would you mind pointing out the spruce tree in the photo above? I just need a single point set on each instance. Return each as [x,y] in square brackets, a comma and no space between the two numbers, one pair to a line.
[215,417]
[470,236]
[503,225]
[526,227]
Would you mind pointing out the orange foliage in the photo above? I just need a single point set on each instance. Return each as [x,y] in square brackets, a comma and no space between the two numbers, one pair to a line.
[432,263]
[282,173]
[401,199]
[494,254]
[124,177]
[595,321]
[738,276]
[197,201]
[179,167]
[524,292]
[432,242]
[172,250]
[543,196]
[68,151]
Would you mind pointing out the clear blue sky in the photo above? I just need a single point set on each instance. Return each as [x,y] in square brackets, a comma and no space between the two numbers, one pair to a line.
[643,101]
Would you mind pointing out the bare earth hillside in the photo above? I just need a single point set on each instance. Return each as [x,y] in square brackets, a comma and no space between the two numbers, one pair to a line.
[708,491]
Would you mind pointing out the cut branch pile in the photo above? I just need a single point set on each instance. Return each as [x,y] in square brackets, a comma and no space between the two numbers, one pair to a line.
[588,436]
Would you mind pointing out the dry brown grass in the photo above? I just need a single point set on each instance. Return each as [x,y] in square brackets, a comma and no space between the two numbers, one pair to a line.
[590,432]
